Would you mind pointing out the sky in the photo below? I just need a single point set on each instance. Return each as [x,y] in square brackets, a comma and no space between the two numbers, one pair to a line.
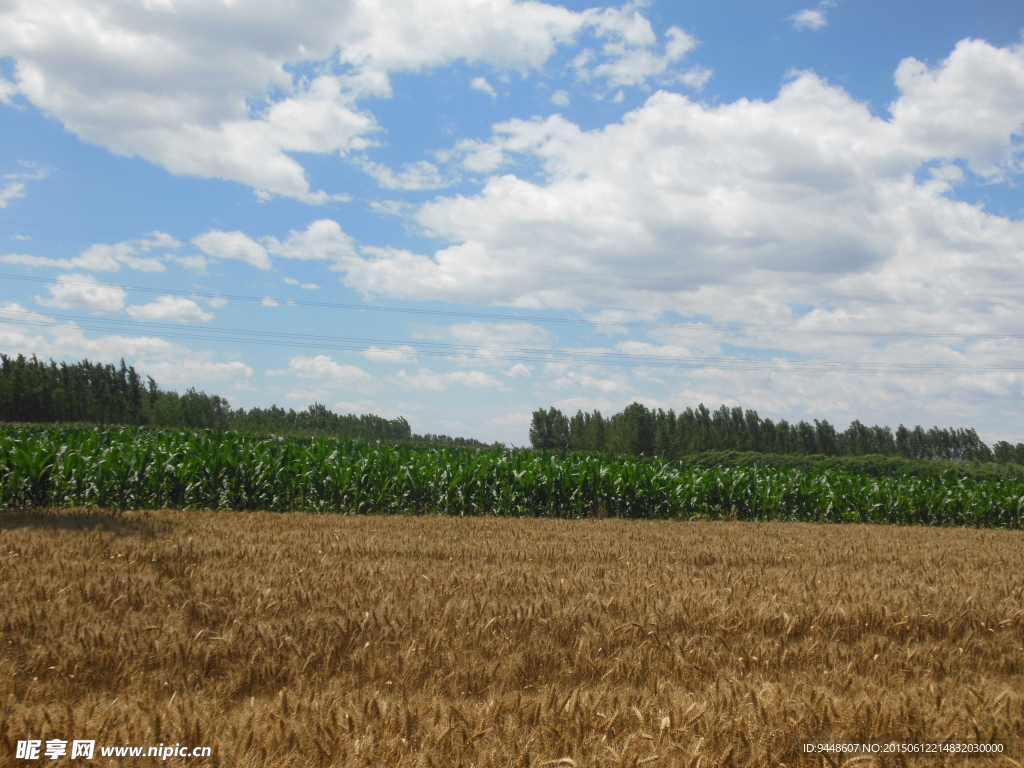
[460,211]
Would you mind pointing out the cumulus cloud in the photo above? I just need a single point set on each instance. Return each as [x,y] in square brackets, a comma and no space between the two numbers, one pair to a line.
[390,207]
[23,331]
[495,339]
[193,370]
[481,84]
[213,90]
[11,191]
[694,77]
[971,107]
[561,98]
[809,19]
[322,240]
[418,175]
[233,245]
[107,257]
[425,380]
[169,309]
[330,376]
[512,420]
[84,292]
[304,286]
[805,213]
[400,354]
[681,195]
[631,58]
[7,90]
[519,370]
[15,186]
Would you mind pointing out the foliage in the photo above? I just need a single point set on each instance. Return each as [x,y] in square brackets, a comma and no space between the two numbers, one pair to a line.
[549,430]
[638,430]
[32,391]
[872,465]
[147,469]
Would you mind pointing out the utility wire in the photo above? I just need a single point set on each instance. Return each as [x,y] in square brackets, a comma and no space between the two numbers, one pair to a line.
[616,278]
[519,318]
[512,354]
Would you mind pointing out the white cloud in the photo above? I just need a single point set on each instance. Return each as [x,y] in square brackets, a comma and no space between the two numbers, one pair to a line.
[481,84]
[512,420]
[269,302]
[695,77]
[357,407]
[169,363]
[194,372]
[572,404]
[84,292]
[212,90]
[809,19]
[322,370]
[47,337]
[194,262]
[519,370]
[971,107]
[593,380]
[501,334]
[33,171]
[390,207]
[805,213]
[304,286]
[233,245]
[169,308]
[7,90]
[480,156]
[15,187]
[418,175]
[483,341]
[809,186]
[561,98]
[631,59]
[106,257]
[425,380]
[322,240]
[11,191]
[813,18]
[400,354]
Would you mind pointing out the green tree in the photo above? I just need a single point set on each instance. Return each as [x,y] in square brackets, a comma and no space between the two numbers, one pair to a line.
[549,430]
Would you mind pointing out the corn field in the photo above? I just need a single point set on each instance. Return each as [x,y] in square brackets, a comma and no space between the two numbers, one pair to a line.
[152,469]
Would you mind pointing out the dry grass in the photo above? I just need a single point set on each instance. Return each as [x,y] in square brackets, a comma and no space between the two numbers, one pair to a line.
[301,640]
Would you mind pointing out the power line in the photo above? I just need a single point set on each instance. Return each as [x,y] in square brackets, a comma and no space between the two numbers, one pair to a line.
[519,318]
[510,354]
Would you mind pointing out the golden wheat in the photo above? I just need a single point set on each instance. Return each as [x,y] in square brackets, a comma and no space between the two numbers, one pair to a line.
[304,640]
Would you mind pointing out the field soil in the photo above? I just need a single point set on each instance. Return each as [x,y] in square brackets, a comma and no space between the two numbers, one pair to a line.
[306,640]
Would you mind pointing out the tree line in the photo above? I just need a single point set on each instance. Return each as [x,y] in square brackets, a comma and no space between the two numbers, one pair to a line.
[33,391]
[638,430]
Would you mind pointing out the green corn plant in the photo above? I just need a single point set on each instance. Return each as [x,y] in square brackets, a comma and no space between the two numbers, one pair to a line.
[136,468]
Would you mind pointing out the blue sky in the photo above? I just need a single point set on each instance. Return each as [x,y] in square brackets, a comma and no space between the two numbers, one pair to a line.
[462,210]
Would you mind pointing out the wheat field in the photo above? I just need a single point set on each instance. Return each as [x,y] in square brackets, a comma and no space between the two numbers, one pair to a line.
[328,640]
